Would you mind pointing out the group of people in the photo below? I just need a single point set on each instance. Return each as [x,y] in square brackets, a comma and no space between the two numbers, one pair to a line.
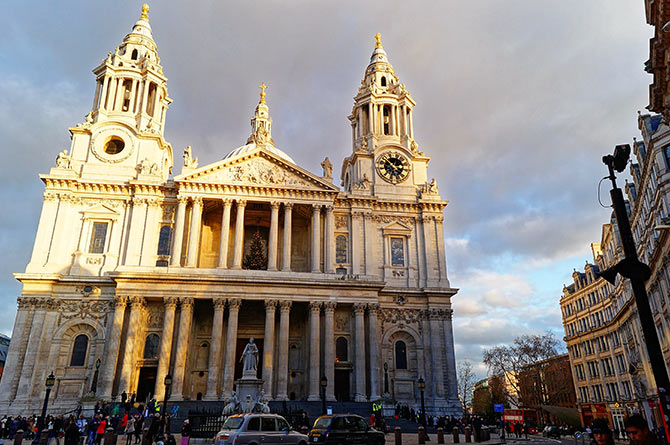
[636,427]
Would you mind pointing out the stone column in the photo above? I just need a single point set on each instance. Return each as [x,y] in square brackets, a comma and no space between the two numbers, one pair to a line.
[373,342]
[329,266]
[138,220]
[178,238]
[369,262]
[231,345]
[118,101]
[15,356]
[272,241]
[103,94]
[165,351]
[286,251]
[436,338]
[329,348]
[239,235]
[137,305]
[371,119]
[132,107]
[356,243]
[215,350]
[31,357]
[194,233]
[314,356]
[452,383]
[145,95]
[151,230]
[225,229]
[359,366]
[316,238]
[282,360]
[269,346]
[185,320]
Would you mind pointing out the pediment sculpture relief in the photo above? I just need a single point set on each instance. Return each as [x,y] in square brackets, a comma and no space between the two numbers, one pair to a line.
[258,171]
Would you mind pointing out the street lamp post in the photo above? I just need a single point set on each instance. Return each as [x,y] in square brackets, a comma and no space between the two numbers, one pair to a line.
[168,383]
[386,379]
[422,386]
[51,380]
[324,384]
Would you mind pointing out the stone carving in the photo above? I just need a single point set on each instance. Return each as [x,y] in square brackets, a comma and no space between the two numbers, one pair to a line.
[189,160]
[364,144]
[327,168]
[94,260]
[63,160]
[168,213]
[329,306]
[261,405]
[232,405]
[414,146]
[145,167]
[250,360]
[387,219]
[95,309]
[398,273]
[363,184]
[407,316]
[340,221]
[87,290]
[155,317]
[259,172]
[342,322]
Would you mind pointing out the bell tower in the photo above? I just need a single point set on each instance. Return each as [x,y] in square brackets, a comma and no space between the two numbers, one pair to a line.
[386,161]
[122,136]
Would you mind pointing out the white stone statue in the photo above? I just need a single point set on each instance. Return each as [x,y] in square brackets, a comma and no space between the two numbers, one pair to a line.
[250,359]
[327,168]
[232,405]
[63,160]
[261,405]
[189,160]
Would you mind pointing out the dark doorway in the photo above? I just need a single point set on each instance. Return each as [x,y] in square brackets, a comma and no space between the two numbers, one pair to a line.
[241,343]
[146,383]
[342,385]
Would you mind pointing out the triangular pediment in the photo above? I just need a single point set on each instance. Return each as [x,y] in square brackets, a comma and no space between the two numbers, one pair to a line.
[100,211]
[257,168]
[396,227]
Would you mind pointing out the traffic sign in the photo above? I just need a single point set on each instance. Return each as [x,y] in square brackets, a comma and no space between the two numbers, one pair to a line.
[499,407]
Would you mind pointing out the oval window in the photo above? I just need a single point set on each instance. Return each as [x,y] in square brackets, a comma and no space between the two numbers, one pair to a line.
[114,145]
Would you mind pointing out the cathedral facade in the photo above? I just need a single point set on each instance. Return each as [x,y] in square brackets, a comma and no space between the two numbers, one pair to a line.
[137,273]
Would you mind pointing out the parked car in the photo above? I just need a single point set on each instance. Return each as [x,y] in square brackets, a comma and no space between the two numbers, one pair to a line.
[348,429]
[552,431]
[258,429]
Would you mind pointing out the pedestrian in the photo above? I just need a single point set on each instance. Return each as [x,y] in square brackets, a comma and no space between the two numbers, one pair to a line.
[638,431]
[72,433]
[602,435]
[129,430]
[124,397]
[100,432]
[185,432]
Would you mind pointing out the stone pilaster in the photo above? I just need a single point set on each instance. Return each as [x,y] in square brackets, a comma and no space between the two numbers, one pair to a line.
[112,352]
[286,251]
[215,350]
[329,263]
[329,348]
[170,304]
[282,361]
[374,341]
[316,238]
[272,239]
[269,346]
[194,233]
[452,383]
[151,229]
[356,242]
[225,231]
[178,238]
[137,305]
[239,235]
[359,335]
[32,351]
[436,338]
[183,340]
[231,345]
[138,220]
[44,232]
[314,356]
[17,348]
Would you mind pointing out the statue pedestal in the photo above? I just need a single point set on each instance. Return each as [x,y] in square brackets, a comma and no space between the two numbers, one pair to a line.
[248,391]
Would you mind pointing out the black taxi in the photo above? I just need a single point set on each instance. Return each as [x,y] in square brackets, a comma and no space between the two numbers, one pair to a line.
[348,429]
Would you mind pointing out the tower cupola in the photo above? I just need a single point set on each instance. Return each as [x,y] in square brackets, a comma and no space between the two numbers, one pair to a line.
[261,124]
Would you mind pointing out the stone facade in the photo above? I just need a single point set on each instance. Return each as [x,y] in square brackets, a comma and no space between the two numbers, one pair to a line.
[136,274]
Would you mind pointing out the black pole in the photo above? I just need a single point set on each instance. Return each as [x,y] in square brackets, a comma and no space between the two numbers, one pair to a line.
[323,400]
[165,399]
[40,421]
[635,270]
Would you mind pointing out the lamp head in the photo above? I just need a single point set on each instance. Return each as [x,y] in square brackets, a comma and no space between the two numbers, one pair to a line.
[168,380]
[324,381]
[421,383]
[51,380]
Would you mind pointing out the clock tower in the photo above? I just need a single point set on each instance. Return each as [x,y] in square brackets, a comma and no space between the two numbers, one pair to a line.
[386,161]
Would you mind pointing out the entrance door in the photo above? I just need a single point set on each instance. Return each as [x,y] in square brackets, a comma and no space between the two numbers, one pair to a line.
[146,383]
[342,385]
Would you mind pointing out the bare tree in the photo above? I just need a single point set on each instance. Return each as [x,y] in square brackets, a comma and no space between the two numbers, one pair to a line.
[466,383]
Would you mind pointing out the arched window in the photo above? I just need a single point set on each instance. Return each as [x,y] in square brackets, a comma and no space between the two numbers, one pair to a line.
[387,119]
[151,346]
[79,350]
[341,249]
[341,350]
[400,355]
[383,81]
[164,240]
[134,55]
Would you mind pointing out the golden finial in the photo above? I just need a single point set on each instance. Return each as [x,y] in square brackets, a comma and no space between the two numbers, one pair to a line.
[378,38]
[145,12]
[262,86]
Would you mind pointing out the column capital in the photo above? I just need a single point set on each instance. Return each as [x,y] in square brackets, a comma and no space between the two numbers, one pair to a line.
[285,305]
[316,208]
[219,304]
[137,302]
[329,306]
[182,199]
[234,303]
[288,205]
[271,304]
[241,203]
[373,309]
[187,302]
[315,306]
[359,308]
[197,200]
[275,205]
[170,302]
[227,202]
[120,301]
[329,208]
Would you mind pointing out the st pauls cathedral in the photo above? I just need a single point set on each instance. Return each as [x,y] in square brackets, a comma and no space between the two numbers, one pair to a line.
[140,270]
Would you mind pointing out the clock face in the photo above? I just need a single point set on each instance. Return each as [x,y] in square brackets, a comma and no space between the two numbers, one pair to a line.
[393,167]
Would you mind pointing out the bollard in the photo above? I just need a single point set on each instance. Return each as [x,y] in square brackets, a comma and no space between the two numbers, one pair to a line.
[456,433]
[440,435]
[44,437]
[109,436]
[18,438]
[422,437]
[487,434]
[467,434]
[398,436]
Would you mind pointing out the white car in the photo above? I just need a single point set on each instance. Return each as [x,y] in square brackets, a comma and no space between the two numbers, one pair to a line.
[258,429]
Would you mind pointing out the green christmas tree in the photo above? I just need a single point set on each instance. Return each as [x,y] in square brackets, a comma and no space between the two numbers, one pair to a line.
[255,259]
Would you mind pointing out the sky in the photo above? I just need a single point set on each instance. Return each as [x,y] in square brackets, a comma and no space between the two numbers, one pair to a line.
[517,101]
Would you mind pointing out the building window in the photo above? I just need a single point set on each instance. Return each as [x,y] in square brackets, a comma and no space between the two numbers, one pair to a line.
[79,350]
[341,350]
[164,240]
[666,152]
[400,355]
[397,252]
[151,346]
[341,249]
[98,238]
[114,145]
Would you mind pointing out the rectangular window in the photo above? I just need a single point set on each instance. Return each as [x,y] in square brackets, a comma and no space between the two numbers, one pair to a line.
[98,238]
[397,252]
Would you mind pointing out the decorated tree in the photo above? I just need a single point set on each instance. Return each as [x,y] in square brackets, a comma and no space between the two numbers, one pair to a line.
[256,258]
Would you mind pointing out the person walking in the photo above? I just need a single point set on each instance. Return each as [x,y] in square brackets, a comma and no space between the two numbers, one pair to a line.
[72,433]
[185,432]
[130,429]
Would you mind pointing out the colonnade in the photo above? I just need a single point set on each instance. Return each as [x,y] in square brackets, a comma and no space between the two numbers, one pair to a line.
[275,386]
[192,249]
